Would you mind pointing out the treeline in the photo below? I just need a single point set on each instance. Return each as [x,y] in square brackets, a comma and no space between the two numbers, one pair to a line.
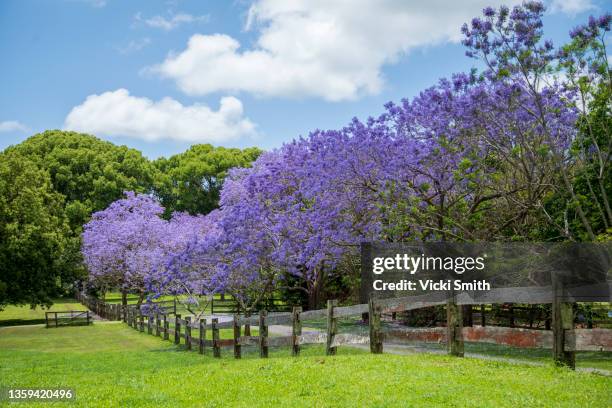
[51,183]
[517,151]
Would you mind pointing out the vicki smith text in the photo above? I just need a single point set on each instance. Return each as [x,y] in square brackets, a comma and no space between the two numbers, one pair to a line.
[431,285]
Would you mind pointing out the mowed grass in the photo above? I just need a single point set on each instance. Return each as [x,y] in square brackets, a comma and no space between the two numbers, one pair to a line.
[14,315]
[109,364]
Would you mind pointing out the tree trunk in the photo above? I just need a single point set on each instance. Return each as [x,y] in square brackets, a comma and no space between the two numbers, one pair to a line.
[313,298]
[314,291]
[124,297]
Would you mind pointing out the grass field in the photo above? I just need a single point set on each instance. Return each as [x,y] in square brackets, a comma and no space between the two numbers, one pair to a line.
[109,364]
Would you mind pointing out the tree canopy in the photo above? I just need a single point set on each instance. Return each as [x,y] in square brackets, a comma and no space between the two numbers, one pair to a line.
[507,153]
[192,180]
[34,235]
[88,172]
[52,183]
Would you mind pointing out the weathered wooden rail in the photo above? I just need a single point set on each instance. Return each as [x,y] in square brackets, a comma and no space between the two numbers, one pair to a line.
[564,339]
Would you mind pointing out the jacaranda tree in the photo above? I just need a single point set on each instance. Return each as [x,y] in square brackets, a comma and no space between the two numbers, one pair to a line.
[484,155]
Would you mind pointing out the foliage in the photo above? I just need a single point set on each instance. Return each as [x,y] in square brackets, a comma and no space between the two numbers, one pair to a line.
[510,44]
[75,174]
[193,179]
[125,245]
[34,235]
[88,172]
[504,154]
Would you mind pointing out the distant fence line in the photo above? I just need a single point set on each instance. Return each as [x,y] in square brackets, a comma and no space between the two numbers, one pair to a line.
[67,318]
[564,339]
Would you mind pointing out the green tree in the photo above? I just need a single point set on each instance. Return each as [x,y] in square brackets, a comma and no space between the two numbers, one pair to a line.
[193,179]
[73,175]
[88,172]
[34,235]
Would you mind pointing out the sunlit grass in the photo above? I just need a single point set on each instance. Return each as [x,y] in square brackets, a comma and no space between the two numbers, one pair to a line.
[109,364]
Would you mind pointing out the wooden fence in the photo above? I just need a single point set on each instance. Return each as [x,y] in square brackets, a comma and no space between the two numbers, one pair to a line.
[564,339]
[67,318]
[115,311]
[227,304]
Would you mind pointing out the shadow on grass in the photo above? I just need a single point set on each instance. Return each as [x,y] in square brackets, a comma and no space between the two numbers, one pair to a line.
[20,322]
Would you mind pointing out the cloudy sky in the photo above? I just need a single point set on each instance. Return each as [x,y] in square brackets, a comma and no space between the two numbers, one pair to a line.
[160,76]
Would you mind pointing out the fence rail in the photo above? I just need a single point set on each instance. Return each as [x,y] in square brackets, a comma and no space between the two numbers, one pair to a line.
[564,339]
[67,318]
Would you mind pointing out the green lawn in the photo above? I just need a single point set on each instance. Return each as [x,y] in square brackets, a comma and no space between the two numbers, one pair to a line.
[15,315]
[109,364]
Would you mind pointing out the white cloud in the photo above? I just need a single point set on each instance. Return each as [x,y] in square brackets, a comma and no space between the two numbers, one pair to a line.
[571,7]
[12,126]
[332,50]
[134,46]
[171,22]
[117,113]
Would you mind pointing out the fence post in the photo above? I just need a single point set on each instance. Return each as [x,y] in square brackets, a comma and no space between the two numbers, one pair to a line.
[247,326]
[375,310]
[166,327]
[56,325]
[88,317]
[188,332]
[454,328]
[332,327]
[562,323]
[157,324]
[201,344]
[296,330]
[263,334]
[177,329]
[237,348]
[215,338]
[47,320]
[482,316]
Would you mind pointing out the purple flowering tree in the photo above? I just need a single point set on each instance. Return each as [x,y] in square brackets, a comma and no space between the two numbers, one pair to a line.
[510,44]
[127,245]
[474,157]
[123,244]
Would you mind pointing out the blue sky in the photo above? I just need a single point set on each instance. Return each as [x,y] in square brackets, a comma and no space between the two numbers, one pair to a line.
[160,76]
